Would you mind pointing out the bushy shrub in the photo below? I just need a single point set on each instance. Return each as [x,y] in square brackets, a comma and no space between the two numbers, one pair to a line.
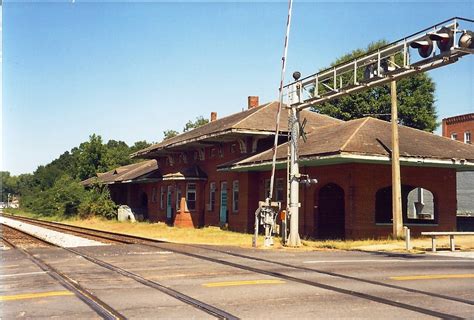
[68,198]
[98,203]
[63,199]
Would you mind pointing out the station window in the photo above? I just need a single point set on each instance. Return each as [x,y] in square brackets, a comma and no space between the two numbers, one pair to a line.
[191,196]
[212,196]
[467,137]
[418,205]
[235,196]
[178,198]
[454,136]
[212,153]
[280,189]
[162,198]
[266,188]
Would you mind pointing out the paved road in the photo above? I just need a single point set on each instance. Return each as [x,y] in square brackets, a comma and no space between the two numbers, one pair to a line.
[279,284]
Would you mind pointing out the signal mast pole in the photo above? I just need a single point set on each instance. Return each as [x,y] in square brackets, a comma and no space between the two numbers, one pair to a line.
[294,127]
[397,220]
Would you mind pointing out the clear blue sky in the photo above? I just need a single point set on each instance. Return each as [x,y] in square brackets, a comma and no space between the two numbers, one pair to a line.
[129,71]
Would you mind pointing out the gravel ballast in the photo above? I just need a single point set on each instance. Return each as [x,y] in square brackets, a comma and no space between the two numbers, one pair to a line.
[55,237]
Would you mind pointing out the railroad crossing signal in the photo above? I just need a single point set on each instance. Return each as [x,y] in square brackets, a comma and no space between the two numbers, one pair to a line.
[444,39]
[377,68]
[424,46]
[452,40]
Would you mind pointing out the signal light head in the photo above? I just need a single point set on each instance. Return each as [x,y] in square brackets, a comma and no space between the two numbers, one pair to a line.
[444,38]
[296,75]
[467,40]
[424,46]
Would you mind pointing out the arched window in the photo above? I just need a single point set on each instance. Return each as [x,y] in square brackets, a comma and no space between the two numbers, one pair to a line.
[418,205]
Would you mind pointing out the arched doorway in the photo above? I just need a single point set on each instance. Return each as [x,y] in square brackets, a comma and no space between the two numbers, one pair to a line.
[331,217]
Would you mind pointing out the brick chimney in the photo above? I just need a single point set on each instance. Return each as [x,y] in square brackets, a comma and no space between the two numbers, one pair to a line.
[252,102]
[213,116]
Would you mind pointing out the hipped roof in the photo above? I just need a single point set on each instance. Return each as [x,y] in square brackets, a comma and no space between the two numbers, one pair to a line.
[367,140]
[128,173]
[259,120]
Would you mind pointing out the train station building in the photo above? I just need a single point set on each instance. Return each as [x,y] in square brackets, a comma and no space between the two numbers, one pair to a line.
[216,174]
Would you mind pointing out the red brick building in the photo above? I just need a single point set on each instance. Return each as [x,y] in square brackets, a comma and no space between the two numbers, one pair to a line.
[460,128]
[216,174]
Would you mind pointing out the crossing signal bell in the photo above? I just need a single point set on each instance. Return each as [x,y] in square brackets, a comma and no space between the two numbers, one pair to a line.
[424,46]
[444,39]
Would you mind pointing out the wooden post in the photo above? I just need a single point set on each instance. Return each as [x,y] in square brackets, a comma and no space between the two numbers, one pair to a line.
[396,184]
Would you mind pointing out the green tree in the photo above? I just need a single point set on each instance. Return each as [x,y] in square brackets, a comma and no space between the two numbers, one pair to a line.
[168,134]
[200,121]
[139,145]
[62,199]
[92,157]
[8,185]
[117,154]
[415,96]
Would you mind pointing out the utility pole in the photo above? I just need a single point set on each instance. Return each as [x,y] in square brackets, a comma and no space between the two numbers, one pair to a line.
[397,220]
[294,127]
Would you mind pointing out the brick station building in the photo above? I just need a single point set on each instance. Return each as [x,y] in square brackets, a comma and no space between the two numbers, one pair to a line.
[217,173]
[459,127]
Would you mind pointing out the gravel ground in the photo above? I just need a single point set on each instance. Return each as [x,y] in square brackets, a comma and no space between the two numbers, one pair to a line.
[58,238]
[20,239]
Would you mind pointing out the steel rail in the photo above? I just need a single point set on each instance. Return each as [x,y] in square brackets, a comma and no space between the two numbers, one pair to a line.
[96,304]
[343,276]
[155,244]
[10,244]
[214,311]
[28,235]
[441,296]
[315,284]
[69,228]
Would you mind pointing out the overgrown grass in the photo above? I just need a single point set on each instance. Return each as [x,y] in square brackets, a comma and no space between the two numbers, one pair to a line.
[216,236]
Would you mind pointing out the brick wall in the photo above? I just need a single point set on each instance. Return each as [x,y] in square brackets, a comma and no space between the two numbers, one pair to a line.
[458,125]
[240,220]
[360,183]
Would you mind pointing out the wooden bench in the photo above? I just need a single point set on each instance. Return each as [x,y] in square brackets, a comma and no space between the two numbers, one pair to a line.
[451,235]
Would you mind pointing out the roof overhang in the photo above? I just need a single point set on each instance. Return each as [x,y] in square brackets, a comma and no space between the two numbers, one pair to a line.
[344,157]
[221,136]
[130,181]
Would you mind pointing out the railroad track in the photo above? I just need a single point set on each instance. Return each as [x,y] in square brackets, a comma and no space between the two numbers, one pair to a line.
[187,250]
[16,239]
[97,305]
